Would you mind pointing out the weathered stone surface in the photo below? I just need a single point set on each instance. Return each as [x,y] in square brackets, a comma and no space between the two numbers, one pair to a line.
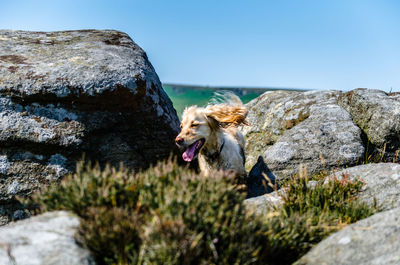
[43,240]
[382,183]
[265,203]
[378,115]
[72,64]
[372,241]
[72,92]
[309,128]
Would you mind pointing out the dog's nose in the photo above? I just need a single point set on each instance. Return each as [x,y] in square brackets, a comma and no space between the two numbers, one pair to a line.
[179,140]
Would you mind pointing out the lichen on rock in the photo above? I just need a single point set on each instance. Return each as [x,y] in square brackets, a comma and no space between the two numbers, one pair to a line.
[378,115]
[290,128]
[374,240]
[66,93]
[382,183]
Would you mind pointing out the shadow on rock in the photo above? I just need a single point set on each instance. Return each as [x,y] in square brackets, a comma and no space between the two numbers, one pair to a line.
[260,180]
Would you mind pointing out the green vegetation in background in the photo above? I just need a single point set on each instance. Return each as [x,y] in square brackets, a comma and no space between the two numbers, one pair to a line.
[183,96]
[171,215]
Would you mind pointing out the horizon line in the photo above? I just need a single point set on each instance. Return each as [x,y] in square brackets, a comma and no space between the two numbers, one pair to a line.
[234,87]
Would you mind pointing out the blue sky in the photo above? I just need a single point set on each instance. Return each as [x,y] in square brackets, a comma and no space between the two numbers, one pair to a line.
[300,44]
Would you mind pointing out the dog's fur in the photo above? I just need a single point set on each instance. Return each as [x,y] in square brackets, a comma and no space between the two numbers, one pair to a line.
[217,123]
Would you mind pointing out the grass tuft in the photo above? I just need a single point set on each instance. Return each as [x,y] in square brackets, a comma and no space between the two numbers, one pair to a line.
[171,215]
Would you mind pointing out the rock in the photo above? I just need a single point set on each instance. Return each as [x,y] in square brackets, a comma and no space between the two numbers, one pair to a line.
[66,93]
[265,203]
[372,241]
[12,210]
[378,115]
[260,180]
[291,128]
[43,240]
[382,183]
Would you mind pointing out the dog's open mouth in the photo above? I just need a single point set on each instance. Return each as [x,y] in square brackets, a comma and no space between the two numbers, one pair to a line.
[193,150]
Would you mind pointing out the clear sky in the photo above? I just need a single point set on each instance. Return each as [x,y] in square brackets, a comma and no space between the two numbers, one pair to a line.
[322,44]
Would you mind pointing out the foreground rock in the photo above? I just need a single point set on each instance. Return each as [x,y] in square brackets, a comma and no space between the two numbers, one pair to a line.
[44,239]
[378,115]
[382,183]
[291,128]
[372,241]
[72,92]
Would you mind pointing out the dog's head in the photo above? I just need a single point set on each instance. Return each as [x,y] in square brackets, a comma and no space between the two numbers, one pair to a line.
[196,128]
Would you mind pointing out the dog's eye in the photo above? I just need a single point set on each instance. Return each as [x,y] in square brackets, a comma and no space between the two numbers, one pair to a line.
[194,125]
[180,126]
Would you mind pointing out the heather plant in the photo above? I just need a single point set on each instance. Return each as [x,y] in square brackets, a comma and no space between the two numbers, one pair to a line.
[171,215]
[311,211]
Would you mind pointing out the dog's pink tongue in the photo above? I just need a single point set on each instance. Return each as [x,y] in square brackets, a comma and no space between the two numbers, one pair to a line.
[189,153]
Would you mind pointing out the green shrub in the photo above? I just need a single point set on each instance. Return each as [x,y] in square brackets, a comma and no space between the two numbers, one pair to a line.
[171,215]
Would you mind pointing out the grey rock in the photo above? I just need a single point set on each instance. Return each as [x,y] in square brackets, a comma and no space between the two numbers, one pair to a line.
[73,64]
[382,183]
[309,128]
[372,241]
[66,93]
[265,203]
[378,115]
[269,201]
[43,240]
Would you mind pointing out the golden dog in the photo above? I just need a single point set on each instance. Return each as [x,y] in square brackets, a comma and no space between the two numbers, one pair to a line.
[212,134]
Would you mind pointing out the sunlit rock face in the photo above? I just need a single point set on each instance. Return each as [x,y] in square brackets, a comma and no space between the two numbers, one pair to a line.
[289,129]
[374,240]
[44,239]
[378,114]
[381,183]
[66,93]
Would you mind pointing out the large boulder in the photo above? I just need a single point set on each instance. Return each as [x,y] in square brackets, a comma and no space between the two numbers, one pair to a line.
[372,241]
[66,93]
[382,183]
[290,128]
[47,239]
[378,115]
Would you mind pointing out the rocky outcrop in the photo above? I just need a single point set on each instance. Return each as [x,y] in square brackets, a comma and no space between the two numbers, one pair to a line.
[72,92]
[378,115]
[291,128]
[372,241]
[44,239]
[382,183]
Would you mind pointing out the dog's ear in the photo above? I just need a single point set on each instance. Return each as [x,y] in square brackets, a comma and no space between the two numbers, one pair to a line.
[227,114]
[213,123]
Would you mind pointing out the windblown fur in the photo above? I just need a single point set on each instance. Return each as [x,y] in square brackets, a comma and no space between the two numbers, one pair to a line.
[212,134]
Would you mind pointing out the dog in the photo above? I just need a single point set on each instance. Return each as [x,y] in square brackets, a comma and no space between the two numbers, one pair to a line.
[211,134]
